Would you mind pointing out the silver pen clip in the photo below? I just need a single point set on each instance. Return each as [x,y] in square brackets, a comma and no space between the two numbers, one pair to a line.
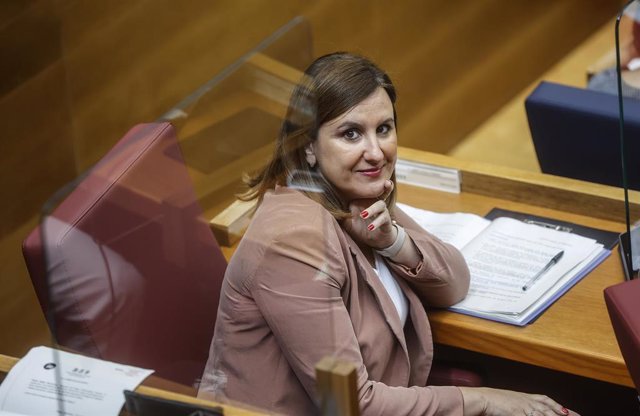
[549,225]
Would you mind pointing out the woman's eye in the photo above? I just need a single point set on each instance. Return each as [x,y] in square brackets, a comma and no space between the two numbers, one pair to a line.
[351,134]
[384,129]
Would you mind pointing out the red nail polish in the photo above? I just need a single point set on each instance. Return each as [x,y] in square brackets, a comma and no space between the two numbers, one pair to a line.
[565,410]
[364,214]
[371,227]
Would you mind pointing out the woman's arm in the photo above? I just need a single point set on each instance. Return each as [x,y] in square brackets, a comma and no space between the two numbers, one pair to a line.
[442,279]
[436,270]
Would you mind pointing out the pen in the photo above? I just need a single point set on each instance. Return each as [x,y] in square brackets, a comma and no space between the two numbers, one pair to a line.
[546,267]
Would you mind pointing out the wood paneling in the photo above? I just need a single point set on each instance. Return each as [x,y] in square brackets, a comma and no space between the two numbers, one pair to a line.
[154,59]
[31,41]
[455,63]
[492,66]
[22,325]
[504,138]
[76,75]
[36,147]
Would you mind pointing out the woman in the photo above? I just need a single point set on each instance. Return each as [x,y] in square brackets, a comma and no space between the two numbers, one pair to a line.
[329,266]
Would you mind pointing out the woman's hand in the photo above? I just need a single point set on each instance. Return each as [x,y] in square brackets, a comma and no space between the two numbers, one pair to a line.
[371,225]
[371,222]
[495,402]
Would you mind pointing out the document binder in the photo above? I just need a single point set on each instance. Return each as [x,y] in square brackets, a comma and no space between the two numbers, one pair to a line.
[607,238]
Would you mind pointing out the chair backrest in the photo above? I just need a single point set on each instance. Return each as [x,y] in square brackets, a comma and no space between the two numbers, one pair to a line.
[623,303]
[575,133]
[125,267]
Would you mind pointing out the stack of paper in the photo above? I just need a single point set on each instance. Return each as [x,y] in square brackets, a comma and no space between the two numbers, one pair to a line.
[504,254]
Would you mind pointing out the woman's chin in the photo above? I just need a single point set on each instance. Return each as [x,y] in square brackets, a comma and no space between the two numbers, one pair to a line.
[367,193]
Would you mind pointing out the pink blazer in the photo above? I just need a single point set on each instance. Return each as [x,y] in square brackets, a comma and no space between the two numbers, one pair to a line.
[298,288]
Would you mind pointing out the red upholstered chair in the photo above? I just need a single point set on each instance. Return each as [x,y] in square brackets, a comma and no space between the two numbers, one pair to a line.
[125,268]
[623,303]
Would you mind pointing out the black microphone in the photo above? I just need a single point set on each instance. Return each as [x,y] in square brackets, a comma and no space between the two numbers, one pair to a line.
[629,241]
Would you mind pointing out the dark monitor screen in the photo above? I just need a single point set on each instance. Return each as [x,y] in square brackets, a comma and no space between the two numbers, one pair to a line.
[576,133]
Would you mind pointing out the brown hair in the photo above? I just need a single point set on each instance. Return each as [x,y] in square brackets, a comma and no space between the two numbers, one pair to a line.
[332,85]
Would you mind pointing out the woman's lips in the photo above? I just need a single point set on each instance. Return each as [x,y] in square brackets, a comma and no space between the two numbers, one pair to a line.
[372,173]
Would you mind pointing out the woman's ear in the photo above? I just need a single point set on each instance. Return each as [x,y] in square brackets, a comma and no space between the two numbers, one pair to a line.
[310,156]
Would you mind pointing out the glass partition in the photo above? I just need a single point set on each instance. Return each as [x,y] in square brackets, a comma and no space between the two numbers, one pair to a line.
[132,271]
[227,127]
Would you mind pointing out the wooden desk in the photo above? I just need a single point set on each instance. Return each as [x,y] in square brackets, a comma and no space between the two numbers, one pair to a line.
[574,335]
[151,387]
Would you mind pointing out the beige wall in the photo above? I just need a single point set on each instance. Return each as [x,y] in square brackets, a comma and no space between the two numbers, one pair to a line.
[75,75]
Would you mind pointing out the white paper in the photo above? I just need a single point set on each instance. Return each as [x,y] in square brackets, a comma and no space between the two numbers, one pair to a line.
[457,228]
[52,382]
[503,255]
[508,254]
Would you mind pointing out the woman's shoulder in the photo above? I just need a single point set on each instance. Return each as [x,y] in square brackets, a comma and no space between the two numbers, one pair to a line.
[289,226]
[284,211]
[291,205]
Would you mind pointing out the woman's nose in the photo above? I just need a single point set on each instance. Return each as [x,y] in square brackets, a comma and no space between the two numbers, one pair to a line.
[372,151]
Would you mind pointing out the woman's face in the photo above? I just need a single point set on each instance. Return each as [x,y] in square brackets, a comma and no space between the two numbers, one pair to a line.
[356,151]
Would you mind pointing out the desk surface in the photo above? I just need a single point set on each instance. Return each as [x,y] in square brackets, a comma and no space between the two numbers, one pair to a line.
[574,335]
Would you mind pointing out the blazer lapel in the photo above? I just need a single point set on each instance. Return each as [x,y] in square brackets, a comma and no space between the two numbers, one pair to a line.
[380,293]
[422,352]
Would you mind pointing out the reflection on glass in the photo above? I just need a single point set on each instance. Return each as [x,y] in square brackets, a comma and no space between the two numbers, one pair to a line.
[131,266]
[124,262]
[227,126]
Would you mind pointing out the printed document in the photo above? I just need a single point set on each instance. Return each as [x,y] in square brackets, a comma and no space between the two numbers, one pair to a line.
[52,382]
[504,254]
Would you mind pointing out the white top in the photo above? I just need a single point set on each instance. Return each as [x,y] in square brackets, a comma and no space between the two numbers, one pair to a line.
[393,288]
